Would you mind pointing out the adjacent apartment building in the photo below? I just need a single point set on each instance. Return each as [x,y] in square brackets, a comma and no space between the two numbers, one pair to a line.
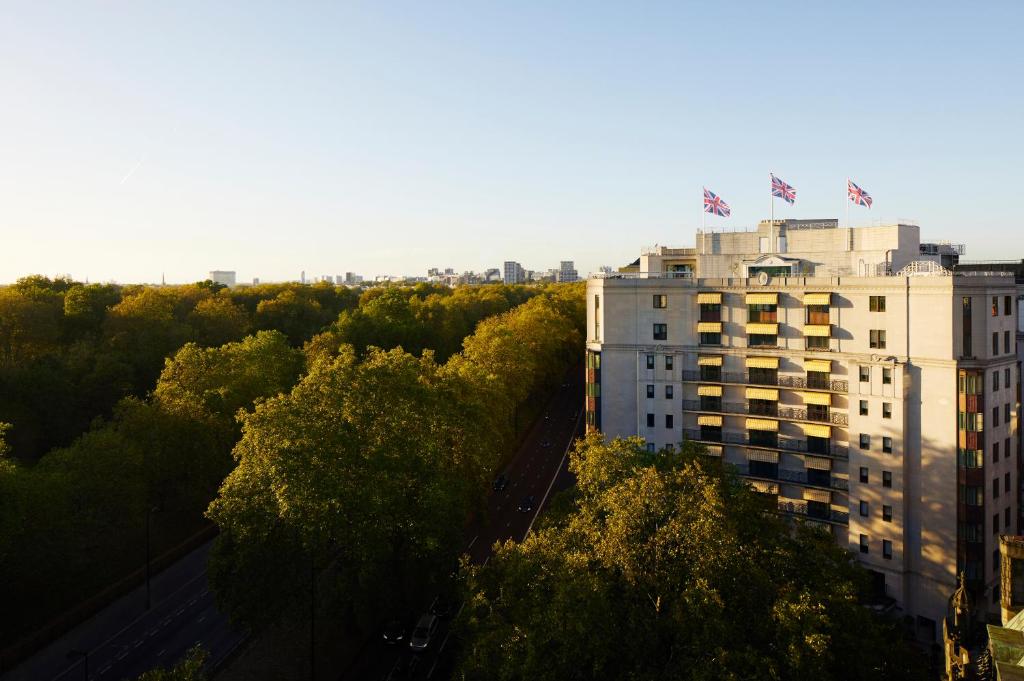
[846,374]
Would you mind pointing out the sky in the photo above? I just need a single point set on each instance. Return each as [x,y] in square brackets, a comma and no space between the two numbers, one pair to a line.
[146,139]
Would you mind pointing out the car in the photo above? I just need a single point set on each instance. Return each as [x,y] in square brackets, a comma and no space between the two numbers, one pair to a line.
[394,632]
[441,607]
[526,505]
[500,482]
[424,630]
[545,444]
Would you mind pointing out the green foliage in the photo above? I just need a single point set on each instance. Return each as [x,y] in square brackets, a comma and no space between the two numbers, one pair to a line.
[667,567]
[218,320]
[189,669]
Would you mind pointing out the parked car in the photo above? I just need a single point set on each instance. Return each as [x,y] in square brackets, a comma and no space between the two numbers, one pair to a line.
[425,629]
[500,482]
[394,632]
[526,505]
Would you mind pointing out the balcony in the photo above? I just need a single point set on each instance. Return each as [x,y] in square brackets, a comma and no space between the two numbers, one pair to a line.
[799,508]
[813,383]
[802,414]
[797,477]
[785,443]
[770,410]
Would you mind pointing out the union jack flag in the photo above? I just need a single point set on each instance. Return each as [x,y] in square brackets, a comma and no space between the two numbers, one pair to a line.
[783,190]
[715,205]
[858,195]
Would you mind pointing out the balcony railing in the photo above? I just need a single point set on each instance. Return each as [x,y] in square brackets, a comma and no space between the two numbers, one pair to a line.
[803,414]
[800,508]
[797,477]
[834,385]
[785,443]
[771,410]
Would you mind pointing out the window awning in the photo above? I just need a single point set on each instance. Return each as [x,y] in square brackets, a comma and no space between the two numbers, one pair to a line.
[824,496]
[823,399]
[762,299]
[818,463]
[713,450]
[709,298]
[709,390]
[762,487]
[709,327]
[763,328]
[763,424]
[761,455]
[818,330]
[709,361]
[763,394]
[709,420]
[824,365]
[762,362]
[816,430]
[817,299]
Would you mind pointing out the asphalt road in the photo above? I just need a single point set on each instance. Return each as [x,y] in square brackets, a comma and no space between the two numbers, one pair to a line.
[539,469]
[125,640]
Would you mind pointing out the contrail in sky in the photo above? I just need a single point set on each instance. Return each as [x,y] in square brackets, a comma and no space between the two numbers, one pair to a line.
[131,172]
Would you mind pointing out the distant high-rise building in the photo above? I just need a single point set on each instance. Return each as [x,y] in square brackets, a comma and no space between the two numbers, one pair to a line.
[567,272]
[302,277]
[225,277]
[255,281]
[351,278]
[514,273]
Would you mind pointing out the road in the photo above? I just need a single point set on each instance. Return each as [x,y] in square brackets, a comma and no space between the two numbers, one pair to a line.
[539,469]
[125,640]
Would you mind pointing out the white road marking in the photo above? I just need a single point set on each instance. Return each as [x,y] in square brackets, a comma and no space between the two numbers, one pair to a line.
[201,618]
[162,651]
[472,542]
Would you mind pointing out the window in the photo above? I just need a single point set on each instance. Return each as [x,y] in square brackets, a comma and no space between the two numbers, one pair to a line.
[886,479]
[660,301]
[650,420]
[710,338]
[995,306]
[887,445]
[886,410]
[1006,413]
[995,380]
[597,317]
[865,374]
[995,488]
[863,407]
[995,452]
[1006,483]
[863,543]
[887,514]
[995,342]
[886,549]
[886,376]
[1006,447]
[864,474]
[969,458]
[1006,342]
[650,391]
[711,374]
[877,338]
[668,421]
[1007,305]
[669,363]
[650,447]
[1006,518]
[876,303]
[995,523]
[650,361]
[1006,376]
[864,511]
[669,392]
[972,532]
[865,441]
[661,332]
[995,417]
[974,495]
[966,326]
[816,342]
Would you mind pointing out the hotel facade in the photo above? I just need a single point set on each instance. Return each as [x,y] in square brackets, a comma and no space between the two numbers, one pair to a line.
[846,373]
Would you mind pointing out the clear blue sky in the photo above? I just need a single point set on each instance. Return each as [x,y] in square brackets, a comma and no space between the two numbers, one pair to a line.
[138,138]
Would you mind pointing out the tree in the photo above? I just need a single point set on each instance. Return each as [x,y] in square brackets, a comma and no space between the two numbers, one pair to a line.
[218,320]
[189,669]
[296,315]
[667,567]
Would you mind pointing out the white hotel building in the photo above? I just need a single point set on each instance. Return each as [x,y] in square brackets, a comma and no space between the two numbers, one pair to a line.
[845,373]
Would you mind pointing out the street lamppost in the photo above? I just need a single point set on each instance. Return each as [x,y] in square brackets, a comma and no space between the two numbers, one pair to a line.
[84,655]
[149,514]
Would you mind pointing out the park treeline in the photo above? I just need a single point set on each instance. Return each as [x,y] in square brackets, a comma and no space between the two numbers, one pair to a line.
[144,391]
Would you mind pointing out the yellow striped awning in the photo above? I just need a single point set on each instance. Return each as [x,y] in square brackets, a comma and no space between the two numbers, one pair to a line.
[816,430]
[709,361]
[709,327]
[713,450]
[824,365]
[709,420]
[763,424]
[762,299]
[762,455]
[763,487]
[762,362]
[817,299]
[823,399]
[818,330]
[709,298]
[818,463]
[763,394]
[821,495]
[709,390]
[763,328]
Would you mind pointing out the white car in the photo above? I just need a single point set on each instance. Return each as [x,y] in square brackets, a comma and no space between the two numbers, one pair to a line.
[421,635]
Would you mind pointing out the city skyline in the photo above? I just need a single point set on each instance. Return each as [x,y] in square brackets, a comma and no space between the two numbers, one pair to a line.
[398,137]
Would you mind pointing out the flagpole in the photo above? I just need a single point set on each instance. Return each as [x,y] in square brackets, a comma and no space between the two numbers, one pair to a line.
[847,202]
[771,220]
